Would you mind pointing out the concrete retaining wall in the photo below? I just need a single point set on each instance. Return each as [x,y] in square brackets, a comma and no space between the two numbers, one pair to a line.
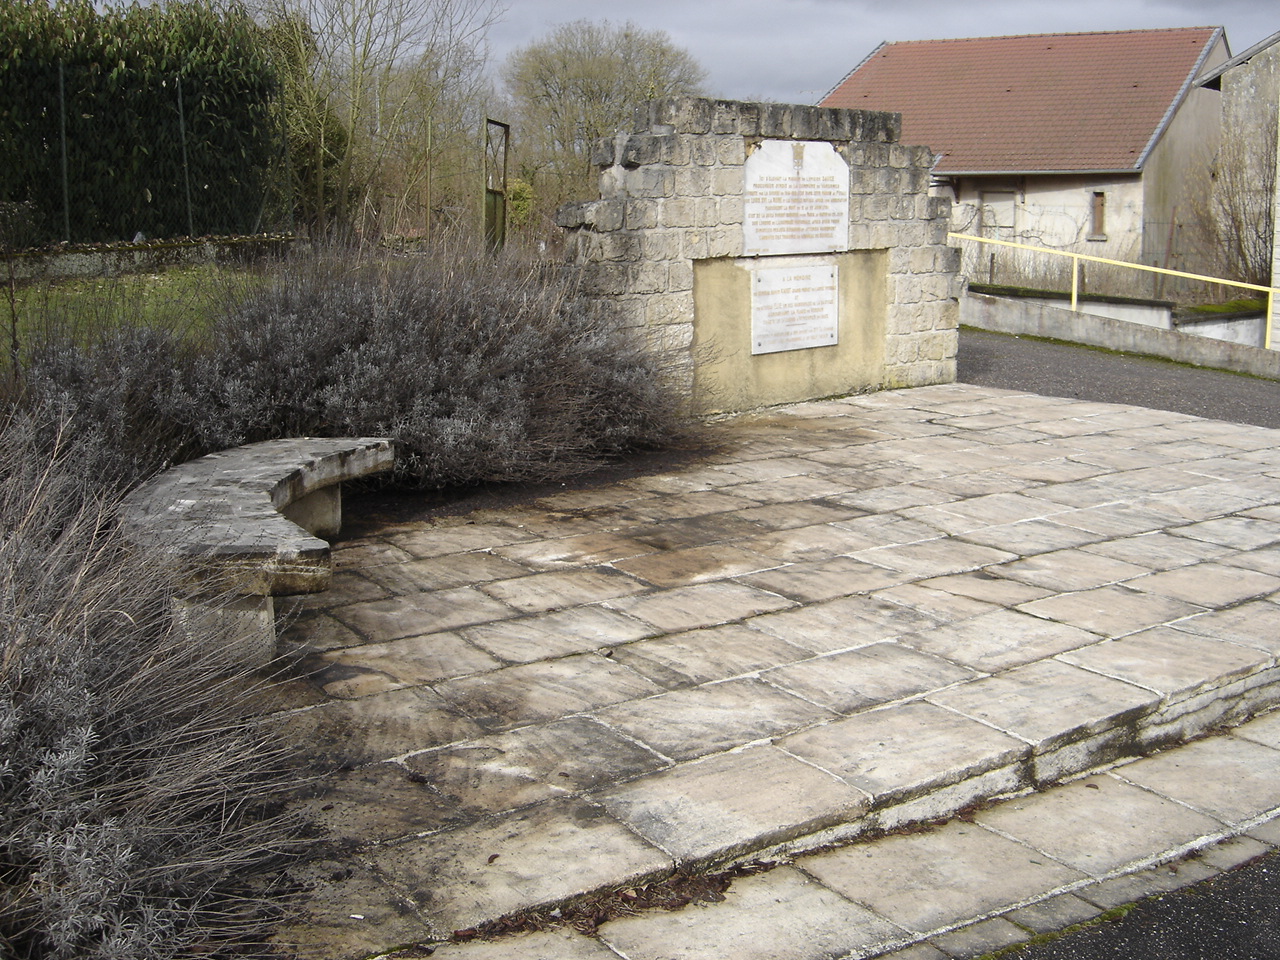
[1002,315]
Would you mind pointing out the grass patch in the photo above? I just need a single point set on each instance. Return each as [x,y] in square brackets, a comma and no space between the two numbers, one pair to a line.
[1240,305]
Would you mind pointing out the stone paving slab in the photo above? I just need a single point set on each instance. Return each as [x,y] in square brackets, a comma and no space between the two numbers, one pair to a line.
[862,614]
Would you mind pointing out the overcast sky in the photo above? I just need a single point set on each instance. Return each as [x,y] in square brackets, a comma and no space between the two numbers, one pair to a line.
[795,51]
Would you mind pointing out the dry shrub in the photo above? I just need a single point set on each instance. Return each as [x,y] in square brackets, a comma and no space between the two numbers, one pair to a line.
[482,369]
[138,777]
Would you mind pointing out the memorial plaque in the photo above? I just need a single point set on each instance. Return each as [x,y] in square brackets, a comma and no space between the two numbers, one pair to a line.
[796,199]
[793,308]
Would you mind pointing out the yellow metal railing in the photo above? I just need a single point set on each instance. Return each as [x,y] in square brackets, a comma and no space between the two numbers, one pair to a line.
[1076,259]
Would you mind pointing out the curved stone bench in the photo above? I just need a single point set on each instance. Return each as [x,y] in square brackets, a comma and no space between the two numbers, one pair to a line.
[246,524]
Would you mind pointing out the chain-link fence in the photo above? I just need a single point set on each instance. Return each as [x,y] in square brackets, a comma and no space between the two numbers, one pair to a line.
[88,158]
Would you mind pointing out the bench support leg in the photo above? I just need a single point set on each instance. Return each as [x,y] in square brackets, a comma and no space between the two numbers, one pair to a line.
[319,512]
[247,624]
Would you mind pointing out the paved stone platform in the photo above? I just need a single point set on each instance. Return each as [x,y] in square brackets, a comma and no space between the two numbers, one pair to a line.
[862,614]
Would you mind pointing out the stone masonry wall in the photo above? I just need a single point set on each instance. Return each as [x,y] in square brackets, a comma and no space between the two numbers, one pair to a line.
[672,193]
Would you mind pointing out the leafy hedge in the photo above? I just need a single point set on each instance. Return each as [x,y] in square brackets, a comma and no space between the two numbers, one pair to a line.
[141,91]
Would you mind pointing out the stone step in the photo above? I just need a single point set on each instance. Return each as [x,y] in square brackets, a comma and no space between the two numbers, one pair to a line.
[912,762]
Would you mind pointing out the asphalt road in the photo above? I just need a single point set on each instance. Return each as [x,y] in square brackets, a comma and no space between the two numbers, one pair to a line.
[1063,370]
[1235,916]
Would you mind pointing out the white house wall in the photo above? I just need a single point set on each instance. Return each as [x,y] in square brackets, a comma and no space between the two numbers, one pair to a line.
[1055,212]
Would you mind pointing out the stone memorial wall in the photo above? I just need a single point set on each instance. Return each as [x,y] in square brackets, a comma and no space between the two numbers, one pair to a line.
[777,252]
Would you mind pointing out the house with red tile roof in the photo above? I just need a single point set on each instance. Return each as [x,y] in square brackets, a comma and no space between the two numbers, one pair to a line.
[1091,142]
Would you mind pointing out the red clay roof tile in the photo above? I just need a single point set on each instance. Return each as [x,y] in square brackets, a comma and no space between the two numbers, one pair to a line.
[1032,104]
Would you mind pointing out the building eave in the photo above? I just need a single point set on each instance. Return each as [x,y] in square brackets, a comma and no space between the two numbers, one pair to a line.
[952,174]
[1213,79]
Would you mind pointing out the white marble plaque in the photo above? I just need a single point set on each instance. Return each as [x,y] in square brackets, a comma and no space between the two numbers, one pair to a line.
[796,199]
[793,308]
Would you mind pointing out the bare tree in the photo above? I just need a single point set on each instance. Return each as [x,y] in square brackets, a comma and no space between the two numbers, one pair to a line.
[372,81]
[1239,225]
[580,83]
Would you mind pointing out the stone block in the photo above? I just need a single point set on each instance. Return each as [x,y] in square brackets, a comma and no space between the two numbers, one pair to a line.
[641,214]
[543,855]
[724,116]
[659,245]
[875,155]
[804,122]
[731,151]
[692,115]
[650,182]
[781,913]
[680,276]
[706,212]
[860,237]
[605,279]
[646,278]
[775,120]
[692,181]
[607,215]
[916,180]
[980,939]
[677,149]
[711,810]
[604,152]
[660,310]
[1099,825]
[899,156]
[912,750]
[695,244]
[679,212]
[956,873]
[640,149]
[918,259]
[613,183]
[617,247]
[703,152]
[906,289]
[245,625]
[728,182]
[724,242]
[834,124]
[732,207]
[571,216]
[1227,778]
[882,127]
[748,119]
[877,205]
[1054,913]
